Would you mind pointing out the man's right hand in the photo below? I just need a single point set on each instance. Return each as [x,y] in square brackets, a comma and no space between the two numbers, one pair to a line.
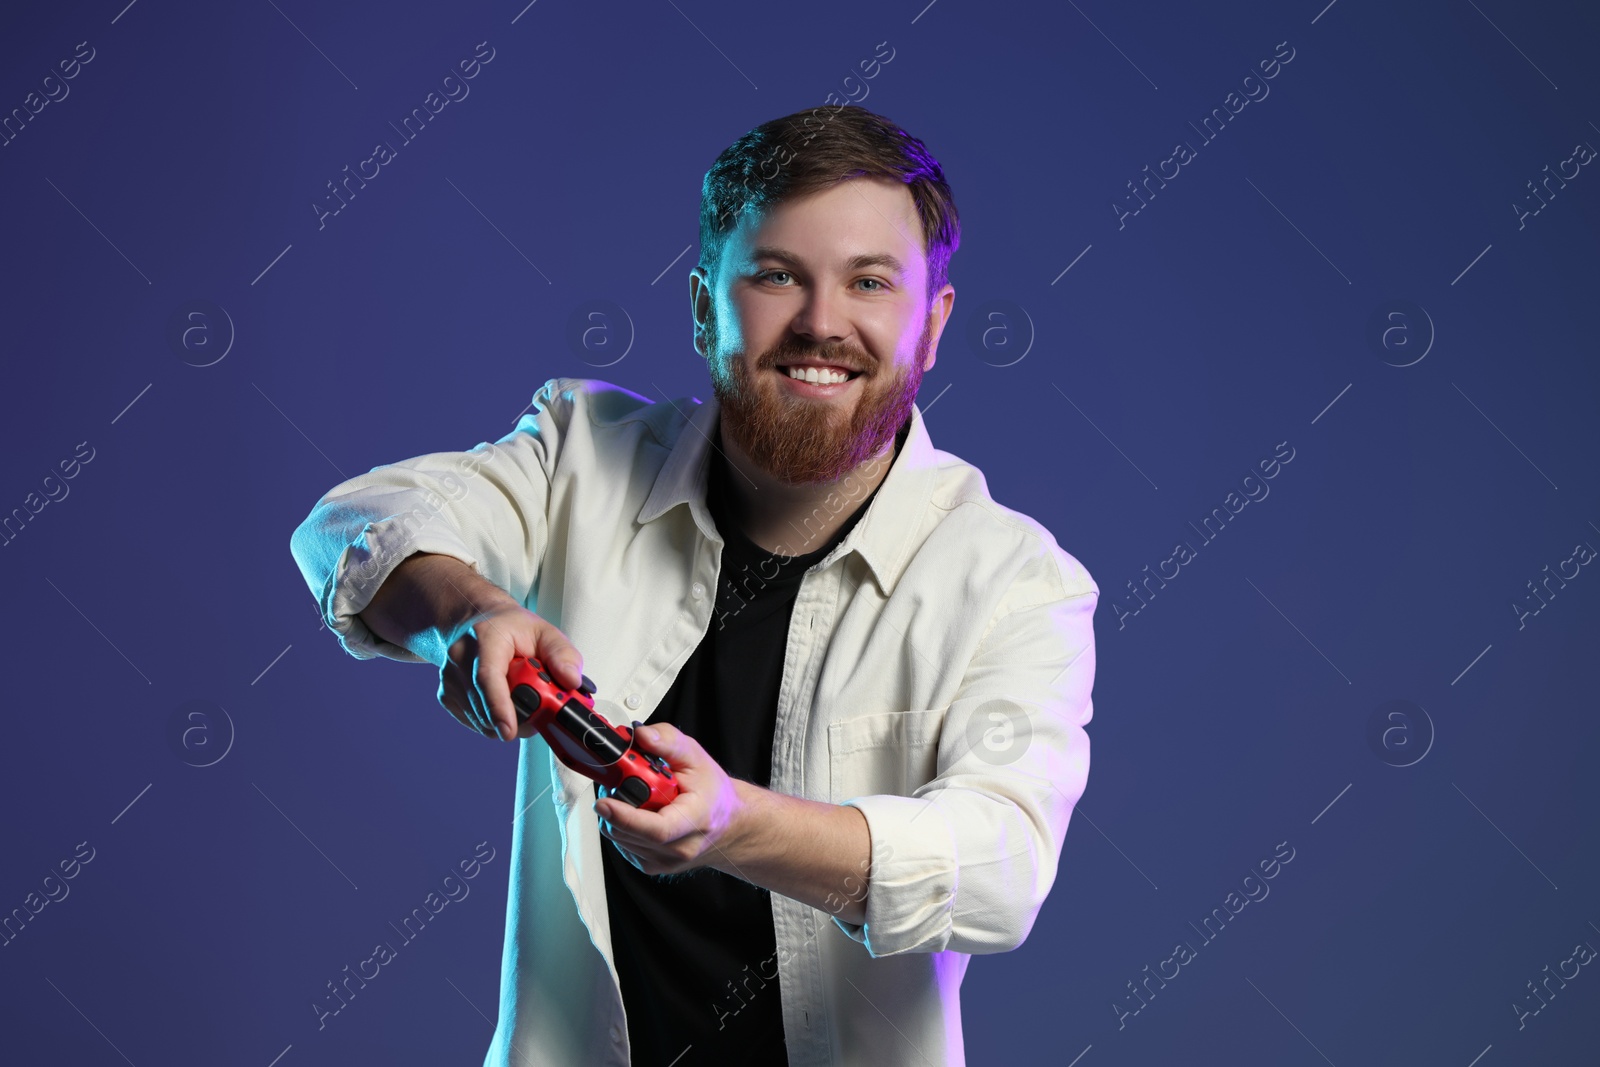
[441,610]
[472,680]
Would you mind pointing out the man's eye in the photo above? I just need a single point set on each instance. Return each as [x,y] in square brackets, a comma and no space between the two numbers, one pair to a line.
[769,273]
[875,282]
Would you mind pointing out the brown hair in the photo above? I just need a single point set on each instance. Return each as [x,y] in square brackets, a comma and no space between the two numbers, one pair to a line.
[817,148]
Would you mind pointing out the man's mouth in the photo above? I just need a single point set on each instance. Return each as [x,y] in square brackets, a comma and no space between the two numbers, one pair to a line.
[818,375]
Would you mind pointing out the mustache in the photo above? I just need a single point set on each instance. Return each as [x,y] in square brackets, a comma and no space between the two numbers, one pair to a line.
[849,359]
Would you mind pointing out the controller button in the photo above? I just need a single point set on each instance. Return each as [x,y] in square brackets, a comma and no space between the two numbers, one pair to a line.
[634,791]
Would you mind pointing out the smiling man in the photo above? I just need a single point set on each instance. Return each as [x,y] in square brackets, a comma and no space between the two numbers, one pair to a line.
[830,344]
[870,678]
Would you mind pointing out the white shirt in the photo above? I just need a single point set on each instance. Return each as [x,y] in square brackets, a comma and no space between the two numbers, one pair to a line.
[937,677]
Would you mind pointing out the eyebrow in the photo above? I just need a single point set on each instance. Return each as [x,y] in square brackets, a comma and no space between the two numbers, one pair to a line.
[874,259]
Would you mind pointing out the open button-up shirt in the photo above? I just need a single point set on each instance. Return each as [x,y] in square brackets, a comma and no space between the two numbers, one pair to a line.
[937,677]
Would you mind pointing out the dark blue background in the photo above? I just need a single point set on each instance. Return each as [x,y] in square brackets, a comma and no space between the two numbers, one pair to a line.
[1221,320]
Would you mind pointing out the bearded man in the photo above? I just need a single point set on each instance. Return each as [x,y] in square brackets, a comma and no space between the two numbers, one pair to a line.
[870,679]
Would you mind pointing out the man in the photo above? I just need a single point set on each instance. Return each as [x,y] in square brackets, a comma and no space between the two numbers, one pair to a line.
[870,678]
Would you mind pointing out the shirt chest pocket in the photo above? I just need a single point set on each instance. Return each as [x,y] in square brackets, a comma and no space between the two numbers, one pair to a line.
[887,752]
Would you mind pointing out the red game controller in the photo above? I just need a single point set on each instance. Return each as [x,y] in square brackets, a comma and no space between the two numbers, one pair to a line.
[583,739]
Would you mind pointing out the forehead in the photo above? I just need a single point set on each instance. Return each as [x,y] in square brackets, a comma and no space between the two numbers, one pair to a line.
[827,229]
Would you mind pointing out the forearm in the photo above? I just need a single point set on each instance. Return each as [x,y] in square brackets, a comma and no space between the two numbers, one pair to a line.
[425,599]
[818,854]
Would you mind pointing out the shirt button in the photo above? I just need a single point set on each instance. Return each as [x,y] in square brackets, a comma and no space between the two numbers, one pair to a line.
[632,701]
[697,591]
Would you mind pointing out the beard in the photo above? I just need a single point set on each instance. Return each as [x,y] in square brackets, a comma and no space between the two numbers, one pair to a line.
[805,441]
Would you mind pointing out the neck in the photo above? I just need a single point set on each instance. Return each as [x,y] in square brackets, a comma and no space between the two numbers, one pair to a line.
[792,520]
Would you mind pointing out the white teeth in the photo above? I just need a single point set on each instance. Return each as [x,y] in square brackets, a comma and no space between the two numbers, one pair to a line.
[815,374]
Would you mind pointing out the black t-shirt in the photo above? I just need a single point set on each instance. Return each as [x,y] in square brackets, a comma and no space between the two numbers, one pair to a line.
[696,952]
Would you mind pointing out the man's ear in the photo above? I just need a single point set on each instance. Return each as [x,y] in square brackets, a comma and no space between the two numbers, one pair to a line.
[701,309]
[939,312]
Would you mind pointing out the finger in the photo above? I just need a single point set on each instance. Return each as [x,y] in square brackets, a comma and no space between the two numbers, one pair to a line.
[614,814]
[452,697]
[623,845]
[561,656]
[618,819]
[641,826]
[456,691]
[482,639]
[489,676]
[627,853]
[466,718]
[478,703]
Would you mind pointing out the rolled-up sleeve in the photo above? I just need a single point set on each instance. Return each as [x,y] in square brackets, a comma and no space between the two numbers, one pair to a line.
[486,506]
[966,861]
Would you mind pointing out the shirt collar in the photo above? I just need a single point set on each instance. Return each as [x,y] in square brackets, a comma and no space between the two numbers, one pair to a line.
[883,536]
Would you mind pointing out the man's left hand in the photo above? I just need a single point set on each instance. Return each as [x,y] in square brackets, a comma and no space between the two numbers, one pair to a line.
[696,829]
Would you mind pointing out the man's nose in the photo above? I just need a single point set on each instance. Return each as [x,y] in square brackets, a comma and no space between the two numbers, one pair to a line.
[821,320]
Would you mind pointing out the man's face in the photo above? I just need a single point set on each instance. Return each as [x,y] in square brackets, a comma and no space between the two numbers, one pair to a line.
[787,293]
